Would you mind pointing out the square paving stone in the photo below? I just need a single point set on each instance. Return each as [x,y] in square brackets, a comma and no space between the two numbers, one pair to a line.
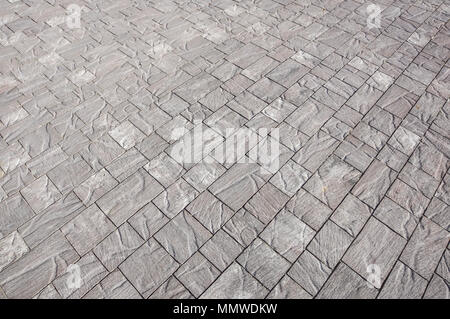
[221,250]
[41,194]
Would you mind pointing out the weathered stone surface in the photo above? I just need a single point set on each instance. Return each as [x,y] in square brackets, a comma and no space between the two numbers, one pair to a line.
[351,215]
[12,247]
[114,286]
[423,252]
[376,245]
[174,199]
[403,283]
[182,236]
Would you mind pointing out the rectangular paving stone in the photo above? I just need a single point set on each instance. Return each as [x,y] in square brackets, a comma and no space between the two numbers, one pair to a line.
[408,198]
[310,117]
[203,174]
[126,134]
[221,250]
[290,178]
[374,183]
[171,289]
[375,245]
[267,90]
[38,268]
[88,229]
[148,267]
[424,250]
[246,55]
[288,289]
[288,72]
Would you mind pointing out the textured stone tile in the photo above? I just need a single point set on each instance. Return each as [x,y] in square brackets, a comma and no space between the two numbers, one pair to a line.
[330,244]
[235,283]
[443,268]
[127,135]
[152,146]
[114,286]
[344,283]
[288,72]
[12,247]
[356,153]
[263,263]
[41,194]
[221,250]
[239,184]
[375,245]
[370,136]
[246,55]
[149,120]
[424,250]
[15,212]
[48,292]
[287,235]
[70,173]
[290,178]
[267,90]
[203,174]
[309,209]
[217,98]
[95,187]
[48,221]
[403,283]
[266,203]
[174,199]
[247,105]
[91,271]
[310,117]
[396,217]
[182,236]
[102,152]
[443,192]
[309,272]
[212,213]
[374,183]
[419,180]
[12,157]
[243,227]
[260,68]
[364,98]
[332,181]
[316,151]
[34,271]
[196,88]
[148,267]
[404,140]
[115,248]
[128,163]
[351,214]
[171,289]
[170,132]
[164,169]
[88,229]
[408,198]
[197,274]
[148,220]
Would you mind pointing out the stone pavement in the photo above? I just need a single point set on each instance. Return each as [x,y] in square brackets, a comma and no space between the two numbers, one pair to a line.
[96,97]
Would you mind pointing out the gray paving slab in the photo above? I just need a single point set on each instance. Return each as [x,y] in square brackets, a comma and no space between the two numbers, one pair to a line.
[224,149]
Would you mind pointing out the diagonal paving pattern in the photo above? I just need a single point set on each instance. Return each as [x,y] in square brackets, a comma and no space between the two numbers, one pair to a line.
[98,96]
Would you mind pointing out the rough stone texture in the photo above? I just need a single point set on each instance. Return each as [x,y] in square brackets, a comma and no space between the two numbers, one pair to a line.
[234,149]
